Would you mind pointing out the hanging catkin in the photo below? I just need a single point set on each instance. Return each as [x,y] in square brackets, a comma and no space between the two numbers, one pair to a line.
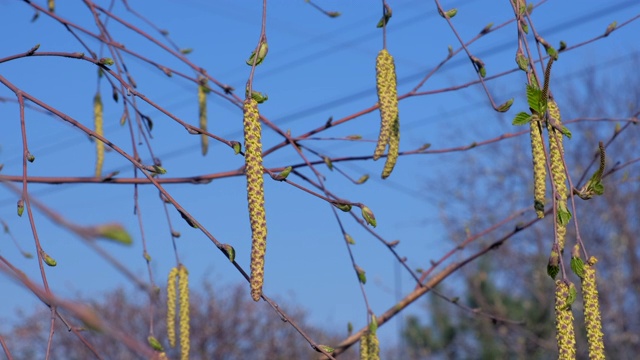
[565,335]
[592,318]
[394,149]
[171,306]
[255,194]
[183,295]
[558,174]
[386,84]
[99,129]
[202,115]
[539,167]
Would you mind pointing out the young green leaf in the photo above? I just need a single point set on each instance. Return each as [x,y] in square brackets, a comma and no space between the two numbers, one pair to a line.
[610,28]
[486,29]
[362,179]
[362,276]
[564,215]
[229,251]
[522,118]
[20,207]
[506,106]
[283,174]
[534,99]
[368,216]
[115,232]
[522,61]
[388,13]
[577,266]
[349,239]
[155,344]
[342,206]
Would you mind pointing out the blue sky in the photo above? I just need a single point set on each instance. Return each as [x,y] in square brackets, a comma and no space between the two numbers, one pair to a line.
[317,67]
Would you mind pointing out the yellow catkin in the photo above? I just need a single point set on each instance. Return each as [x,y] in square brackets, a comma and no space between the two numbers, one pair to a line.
[52,5]
[374,346]
[183,288]
[539,167]
[386,84]
[565,335]
[364,346]
[202,114]
[255,194]
[171,306]
[592,318]
[99,129]
[394,149]
[556,152]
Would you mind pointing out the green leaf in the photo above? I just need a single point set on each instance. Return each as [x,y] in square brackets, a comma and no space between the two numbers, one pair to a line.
[20,207]
[522,118]
[159,170]
[551,51]
[571,298]
[563,45]
[610,28]
[106,61]
[326,348]
[553,266]
[236,147]
[553,270]
[49,260]
[534,99]
[262,53]
[186,218]
[506,106]
[566,132]
[259,97]
[186,51]
[449,13]
[564,215]
[155,344]
[368,216]
[522,61]
[577,266]
[598,188]
[362,179]
[283,174]
[115,232]
[487,28]
[362,276]
[328,162]
[349,239]
[343,207]
[229,251]
[373,325]
[388,13]
[333,14]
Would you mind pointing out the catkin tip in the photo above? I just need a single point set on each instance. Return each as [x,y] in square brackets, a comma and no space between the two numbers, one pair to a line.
[386,85]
